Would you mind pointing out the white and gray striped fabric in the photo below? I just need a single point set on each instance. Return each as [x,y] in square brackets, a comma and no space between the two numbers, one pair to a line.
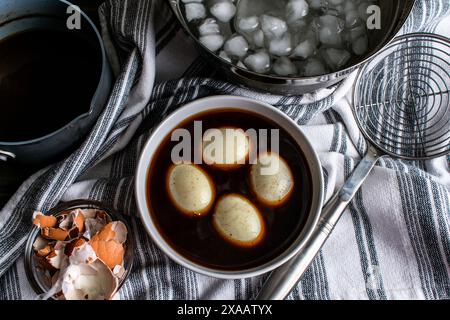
[393,242]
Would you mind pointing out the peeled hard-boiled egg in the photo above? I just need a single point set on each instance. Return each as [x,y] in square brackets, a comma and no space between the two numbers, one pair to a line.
[225,148]
[271,179]
[190,189]
[238,220]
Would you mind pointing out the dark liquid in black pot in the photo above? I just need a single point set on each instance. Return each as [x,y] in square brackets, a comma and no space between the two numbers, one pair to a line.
[195,237]
[47,79]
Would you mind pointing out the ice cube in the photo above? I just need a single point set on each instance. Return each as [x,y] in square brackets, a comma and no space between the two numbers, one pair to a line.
[314,67]
[329,30]
[336,58]
[258,62]
[330,37]
[360,45]
[236,46]
[335,3]
[296,10]
[349,6]
[305,49]
[352,19]
[335,24]
[194,11]
[209,26]
[362,9]
[281,46]
[212,41]
[258,38]
[248,24]
[315,4]
[284,67]
[356,32]
[298,26]
[223,10]
[272,27]
[224,56]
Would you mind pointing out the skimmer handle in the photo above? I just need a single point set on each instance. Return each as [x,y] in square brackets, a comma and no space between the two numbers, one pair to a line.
[281,282]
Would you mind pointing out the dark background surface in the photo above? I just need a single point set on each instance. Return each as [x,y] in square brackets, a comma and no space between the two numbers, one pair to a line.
[12,175]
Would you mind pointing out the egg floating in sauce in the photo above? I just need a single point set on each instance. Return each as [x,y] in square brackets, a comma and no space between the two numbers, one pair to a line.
[190,189]
[271,179]
[225,148]
[237,220]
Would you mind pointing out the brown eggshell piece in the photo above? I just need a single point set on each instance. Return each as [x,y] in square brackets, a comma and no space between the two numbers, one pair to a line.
[78,220]
[106,233]
[42,221]
[110,252]
[55,234]
[72,245]
[83,253]
[93,281]
[107,243]
[56,258]
[39,243]
[44,251]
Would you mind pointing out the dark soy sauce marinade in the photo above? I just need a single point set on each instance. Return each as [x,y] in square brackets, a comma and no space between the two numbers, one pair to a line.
[195,237]
[47,79]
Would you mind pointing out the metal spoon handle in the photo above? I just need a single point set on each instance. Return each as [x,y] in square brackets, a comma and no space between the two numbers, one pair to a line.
[281,282]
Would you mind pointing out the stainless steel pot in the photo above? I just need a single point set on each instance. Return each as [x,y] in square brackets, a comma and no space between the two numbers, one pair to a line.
[393,16]
[21,15]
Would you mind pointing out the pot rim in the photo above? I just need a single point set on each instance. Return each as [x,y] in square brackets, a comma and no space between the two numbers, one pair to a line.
[228,102]
[104,70]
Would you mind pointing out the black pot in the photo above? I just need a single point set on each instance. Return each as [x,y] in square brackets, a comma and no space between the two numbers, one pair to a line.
[21,15]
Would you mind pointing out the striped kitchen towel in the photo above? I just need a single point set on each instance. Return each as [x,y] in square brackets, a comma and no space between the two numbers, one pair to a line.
[393,242]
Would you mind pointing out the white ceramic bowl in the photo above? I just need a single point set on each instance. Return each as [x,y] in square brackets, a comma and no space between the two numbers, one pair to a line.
[237,103]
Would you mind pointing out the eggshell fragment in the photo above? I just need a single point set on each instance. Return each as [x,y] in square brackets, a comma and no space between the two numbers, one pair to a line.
[83,254]
[110,252]
[59,245]
[113,231]
[78,220]
[271,179]
[42,221]
[72,245]
[119,271]
[65,221]
[237,220]
[39,243]
[54,234]
[108,243]
[190,189]
[95,220]
[89,213]
[93,281]
[57,259]
[225,148]
[44,251]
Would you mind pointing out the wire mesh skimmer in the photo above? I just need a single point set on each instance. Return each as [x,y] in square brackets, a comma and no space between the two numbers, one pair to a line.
[401,103]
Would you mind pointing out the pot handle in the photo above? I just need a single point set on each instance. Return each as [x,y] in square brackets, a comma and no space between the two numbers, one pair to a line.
[5,155]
